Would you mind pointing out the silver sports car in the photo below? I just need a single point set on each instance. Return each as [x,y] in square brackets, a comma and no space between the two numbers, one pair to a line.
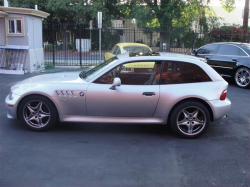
[155,88]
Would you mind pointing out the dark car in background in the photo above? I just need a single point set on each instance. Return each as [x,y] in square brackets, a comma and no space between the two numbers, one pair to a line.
[229,59]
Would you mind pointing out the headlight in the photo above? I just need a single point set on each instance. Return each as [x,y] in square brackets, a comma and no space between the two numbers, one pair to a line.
[11,96]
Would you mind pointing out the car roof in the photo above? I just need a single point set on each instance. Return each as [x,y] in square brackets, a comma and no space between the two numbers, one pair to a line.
[131,44]
[245,46]
[232,43]
[162,55]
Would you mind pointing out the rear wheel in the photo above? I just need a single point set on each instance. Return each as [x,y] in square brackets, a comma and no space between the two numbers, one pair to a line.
[242,77]
[38,113]
[190,119]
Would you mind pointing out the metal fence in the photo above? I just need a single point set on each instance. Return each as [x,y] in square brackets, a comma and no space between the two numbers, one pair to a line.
[77,45]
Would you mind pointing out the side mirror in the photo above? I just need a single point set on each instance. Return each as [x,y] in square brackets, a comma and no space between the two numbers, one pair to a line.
[116,82]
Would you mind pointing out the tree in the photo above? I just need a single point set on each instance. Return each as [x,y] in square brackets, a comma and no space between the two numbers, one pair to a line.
[167,14]
[77,11]
[245,20]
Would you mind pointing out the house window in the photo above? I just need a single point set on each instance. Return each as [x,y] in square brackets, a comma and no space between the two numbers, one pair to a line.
[15,27]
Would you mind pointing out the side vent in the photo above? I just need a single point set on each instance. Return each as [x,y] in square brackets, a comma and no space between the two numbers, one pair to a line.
[65,93]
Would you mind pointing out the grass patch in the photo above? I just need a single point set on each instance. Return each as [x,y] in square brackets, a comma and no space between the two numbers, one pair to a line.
[49,66]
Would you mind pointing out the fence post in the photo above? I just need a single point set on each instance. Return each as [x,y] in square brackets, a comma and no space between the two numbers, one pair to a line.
[192,40]
[80,36]
[134,34]
[53,45]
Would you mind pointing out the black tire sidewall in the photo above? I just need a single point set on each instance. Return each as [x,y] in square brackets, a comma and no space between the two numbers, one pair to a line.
[179,108]
[49,104]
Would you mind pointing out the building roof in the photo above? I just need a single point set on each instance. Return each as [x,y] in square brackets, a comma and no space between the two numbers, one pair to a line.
[26,11]
[2,14]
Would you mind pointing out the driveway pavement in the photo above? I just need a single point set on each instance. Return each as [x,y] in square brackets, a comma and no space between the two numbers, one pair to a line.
[84,154]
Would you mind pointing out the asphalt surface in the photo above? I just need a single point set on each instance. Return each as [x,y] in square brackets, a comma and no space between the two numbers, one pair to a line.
[107,155]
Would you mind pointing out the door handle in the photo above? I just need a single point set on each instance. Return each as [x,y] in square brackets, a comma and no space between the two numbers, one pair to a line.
[207,58]
[148,93]
[234,59]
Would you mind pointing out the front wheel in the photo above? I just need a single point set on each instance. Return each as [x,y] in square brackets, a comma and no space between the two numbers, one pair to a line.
[242,77]
[38,113]
[190,119]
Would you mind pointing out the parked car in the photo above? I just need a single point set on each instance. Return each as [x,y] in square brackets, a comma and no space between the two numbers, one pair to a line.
[180,90]
[121,48]
[229,59]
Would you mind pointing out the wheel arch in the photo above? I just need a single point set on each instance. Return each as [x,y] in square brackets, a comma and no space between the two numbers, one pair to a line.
[40,95]
[192,99]
[238,67]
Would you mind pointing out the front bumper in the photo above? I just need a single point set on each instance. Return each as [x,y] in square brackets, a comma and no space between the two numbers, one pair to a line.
[11,106]
[220,108]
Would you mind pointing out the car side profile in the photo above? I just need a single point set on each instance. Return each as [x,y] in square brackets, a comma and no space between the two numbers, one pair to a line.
[229,59]
[179,90]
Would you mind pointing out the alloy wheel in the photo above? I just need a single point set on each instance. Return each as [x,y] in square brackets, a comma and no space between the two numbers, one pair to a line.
[191,120]
[36,114]
[242,77]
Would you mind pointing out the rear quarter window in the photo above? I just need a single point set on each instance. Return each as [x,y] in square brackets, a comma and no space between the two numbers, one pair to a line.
[182,72]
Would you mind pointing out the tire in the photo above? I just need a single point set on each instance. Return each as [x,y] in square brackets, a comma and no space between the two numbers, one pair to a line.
[38,113]
[190,119]
[242,77]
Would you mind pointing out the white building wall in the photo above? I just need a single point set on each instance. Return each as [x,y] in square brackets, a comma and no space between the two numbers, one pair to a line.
[2,31]
[235,17]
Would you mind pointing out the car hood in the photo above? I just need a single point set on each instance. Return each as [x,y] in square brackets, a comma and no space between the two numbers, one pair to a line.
[55,78]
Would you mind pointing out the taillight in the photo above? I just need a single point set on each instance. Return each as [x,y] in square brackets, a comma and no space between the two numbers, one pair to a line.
[223,95]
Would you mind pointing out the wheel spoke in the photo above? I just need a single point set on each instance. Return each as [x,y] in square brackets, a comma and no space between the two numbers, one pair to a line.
[40,121]
[44,115]
[183,122]
[190,128]
[39,106]
[198,122]
[186,114]
[195,113]
[31,109]
[29,118]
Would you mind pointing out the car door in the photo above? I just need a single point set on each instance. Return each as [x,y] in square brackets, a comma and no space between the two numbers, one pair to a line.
[137,96]
[225,59]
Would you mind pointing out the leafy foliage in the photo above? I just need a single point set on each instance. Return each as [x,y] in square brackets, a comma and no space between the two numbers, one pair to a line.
[228,5]
[227,33]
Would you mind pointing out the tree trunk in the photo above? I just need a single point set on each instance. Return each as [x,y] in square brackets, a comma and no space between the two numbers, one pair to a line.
[245,22]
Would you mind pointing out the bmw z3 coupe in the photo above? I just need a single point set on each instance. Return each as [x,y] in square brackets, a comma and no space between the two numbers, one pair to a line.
[180,90]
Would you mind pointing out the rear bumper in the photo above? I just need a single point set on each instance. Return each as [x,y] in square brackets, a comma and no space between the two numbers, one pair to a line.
[220,108]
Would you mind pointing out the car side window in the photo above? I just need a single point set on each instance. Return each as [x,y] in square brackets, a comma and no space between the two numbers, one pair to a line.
[118,51]
[241,52]
[208,49]
[140,73]
[182,72]
[227,50]
[115,50]
[133,73]
[108,77]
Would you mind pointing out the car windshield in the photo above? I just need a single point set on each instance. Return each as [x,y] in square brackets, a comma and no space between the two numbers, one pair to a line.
[135,49]
[91,73]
